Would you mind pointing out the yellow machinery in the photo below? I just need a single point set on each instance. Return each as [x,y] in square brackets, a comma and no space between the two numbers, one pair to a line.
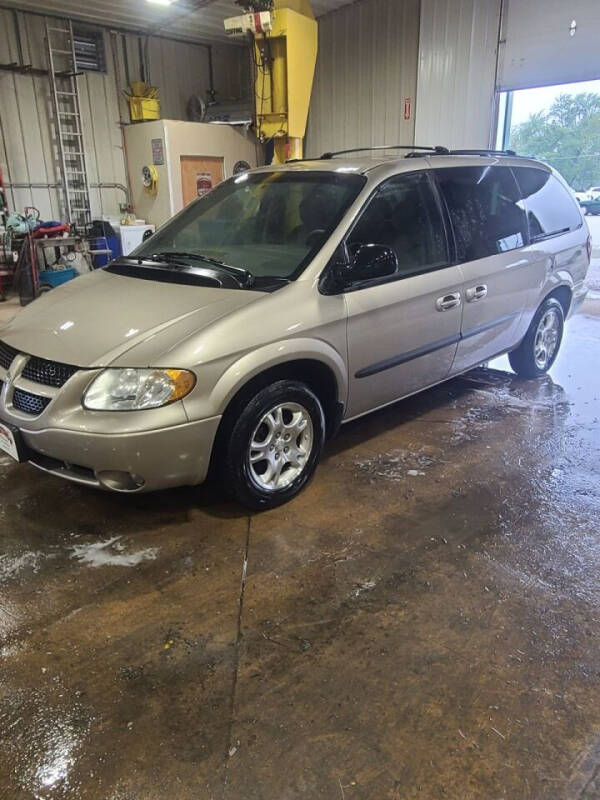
[285,55]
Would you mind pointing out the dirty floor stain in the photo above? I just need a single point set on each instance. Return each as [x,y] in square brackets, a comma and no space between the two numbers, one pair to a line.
[423,622]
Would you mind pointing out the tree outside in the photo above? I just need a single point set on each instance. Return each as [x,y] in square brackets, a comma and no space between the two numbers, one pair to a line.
[567,136]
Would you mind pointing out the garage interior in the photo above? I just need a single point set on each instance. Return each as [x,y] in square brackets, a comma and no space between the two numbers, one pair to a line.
[423,621]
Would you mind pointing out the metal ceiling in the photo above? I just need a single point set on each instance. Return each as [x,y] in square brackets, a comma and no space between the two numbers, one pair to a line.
[200,20]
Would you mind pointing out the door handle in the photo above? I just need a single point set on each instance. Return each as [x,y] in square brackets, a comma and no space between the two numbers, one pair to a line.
[476,293]
[448,301]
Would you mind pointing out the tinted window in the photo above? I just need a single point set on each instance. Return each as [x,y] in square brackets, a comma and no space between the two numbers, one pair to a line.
[486,210]
[550,208]
[271,223]
[404,215]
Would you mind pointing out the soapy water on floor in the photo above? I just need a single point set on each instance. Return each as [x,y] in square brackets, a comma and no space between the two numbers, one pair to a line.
[111,552]
[13,566]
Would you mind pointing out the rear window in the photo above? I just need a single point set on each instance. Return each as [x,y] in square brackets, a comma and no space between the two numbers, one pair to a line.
[485,208]
[550,208]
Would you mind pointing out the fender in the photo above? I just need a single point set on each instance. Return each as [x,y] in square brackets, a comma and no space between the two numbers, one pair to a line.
[273,354]
[254,362]
[555,280]
[561,277]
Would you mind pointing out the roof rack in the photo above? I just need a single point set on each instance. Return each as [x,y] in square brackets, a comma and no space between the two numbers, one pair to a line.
[438,150]
[482,153]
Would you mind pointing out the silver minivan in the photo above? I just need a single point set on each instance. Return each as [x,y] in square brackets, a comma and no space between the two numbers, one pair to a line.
[287,301]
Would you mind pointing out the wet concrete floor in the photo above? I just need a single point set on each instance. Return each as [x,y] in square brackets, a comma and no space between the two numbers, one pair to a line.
[423,622]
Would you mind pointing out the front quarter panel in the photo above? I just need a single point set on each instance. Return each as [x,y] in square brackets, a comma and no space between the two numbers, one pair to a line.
[272,355]
[295,323]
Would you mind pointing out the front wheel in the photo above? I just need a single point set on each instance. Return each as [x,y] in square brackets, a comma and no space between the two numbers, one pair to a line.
[274,446]
[538,350]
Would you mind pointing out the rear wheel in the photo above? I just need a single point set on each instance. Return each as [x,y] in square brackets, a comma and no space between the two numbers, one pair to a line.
[274,445]
[538,350]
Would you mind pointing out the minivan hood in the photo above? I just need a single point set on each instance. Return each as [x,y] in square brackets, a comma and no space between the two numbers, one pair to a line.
[91,321]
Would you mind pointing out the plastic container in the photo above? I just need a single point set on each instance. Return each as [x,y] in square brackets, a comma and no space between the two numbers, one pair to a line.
[142,108]
[55,277]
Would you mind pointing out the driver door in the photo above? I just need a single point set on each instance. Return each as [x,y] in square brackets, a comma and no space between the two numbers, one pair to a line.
[403,328]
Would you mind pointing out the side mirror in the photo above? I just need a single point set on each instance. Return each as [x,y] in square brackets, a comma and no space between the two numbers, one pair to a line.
[370,262]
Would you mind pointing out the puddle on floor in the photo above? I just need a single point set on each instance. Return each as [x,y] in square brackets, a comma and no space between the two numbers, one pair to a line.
[46,741]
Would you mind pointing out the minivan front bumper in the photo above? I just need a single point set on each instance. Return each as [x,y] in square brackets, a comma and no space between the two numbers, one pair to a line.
[129,462]
[128,451]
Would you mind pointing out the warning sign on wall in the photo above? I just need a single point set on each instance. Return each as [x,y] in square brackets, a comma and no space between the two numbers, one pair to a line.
[158,152]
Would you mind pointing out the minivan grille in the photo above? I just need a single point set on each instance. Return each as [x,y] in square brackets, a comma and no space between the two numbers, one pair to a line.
[29,403]
[49,373]
[7,355]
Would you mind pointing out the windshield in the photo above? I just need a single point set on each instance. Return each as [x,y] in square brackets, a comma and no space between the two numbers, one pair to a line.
[268,223]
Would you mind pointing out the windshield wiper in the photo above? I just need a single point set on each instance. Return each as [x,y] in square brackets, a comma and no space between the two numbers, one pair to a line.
[244,276]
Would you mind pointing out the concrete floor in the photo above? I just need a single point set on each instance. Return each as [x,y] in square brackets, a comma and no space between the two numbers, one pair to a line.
[423,622]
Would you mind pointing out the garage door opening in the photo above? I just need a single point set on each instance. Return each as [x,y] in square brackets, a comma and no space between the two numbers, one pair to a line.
[559,124]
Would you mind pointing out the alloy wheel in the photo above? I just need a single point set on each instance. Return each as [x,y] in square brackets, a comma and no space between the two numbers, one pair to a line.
[280,446]
[546,339]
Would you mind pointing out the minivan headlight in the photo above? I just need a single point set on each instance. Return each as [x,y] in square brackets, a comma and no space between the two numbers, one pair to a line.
[136,389]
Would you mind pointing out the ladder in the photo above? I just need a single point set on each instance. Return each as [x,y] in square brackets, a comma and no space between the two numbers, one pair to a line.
[68,127]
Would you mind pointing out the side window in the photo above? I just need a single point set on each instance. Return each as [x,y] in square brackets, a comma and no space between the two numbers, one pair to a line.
[550,208]
[485,208]
[404,216]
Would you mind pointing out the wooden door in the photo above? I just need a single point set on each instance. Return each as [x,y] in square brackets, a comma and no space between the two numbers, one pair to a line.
[199,174]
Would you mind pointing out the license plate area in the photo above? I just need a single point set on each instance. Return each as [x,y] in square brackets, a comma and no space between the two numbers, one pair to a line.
[11,442]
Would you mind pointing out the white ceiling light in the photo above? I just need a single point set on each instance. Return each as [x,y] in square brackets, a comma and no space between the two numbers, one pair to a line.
[161,2]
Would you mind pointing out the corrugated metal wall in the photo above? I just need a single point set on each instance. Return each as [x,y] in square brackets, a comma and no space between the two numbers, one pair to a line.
[181,69]
[366,69]
[457,66]
[27,150]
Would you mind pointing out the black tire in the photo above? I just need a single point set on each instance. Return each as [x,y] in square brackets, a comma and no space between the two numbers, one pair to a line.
[523,359]
[238,476]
